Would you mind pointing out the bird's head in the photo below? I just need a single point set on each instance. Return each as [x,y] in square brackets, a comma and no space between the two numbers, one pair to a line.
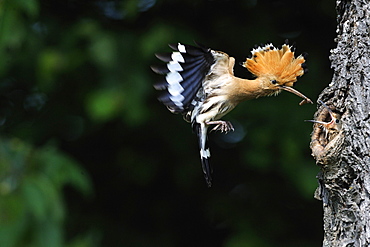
[333,124]
[277,69]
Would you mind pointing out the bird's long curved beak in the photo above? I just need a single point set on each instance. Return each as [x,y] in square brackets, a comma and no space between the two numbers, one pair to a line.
[296,92]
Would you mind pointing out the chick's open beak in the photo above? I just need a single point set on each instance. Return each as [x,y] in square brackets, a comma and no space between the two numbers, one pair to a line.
[333,120]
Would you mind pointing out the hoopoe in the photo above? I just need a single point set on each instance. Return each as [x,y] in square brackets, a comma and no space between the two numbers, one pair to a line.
[200,84]
[333,126]
[324,132]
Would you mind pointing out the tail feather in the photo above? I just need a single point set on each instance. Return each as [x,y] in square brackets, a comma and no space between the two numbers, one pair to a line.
[201,131]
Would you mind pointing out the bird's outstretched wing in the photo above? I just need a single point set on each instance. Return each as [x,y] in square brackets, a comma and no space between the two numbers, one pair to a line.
[185,69]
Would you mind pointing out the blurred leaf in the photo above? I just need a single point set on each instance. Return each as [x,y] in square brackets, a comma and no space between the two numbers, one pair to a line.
[103,49]
[11,26]
[156,40]
[38,193]
[63,170]
[131,8]
[104,104]
[48,234]
[90,239]
[14,156]
[12,220]
[30,7]
[31,182]
[135,109]
[50,62]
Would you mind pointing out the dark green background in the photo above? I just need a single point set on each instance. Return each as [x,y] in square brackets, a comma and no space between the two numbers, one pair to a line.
[89,157]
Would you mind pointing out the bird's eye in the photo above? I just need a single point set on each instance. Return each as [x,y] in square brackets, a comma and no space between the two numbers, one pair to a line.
[273,81]
[336,120]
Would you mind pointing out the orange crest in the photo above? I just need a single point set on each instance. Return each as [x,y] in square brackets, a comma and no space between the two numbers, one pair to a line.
[278,64]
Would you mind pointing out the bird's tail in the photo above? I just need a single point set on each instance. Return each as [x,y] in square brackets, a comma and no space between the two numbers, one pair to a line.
[269,60]
[201,131]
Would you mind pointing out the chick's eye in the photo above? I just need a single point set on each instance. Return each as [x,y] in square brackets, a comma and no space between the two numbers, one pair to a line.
[273,81]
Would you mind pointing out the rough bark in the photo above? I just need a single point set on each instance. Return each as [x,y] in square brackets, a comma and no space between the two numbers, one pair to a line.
[343,154]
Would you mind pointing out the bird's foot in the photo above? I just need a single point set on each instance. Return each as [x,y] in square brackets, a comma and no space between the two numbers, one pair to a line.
[223,126]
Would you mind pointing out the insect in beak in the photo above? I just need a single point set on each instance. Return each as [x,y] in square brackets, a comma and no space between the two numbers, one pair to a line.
[296,92]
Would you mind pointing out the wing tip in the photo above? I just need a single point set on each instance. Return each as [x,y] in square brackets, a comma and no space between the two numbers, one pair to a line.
[201,46]
[165,57]
[174,46]
[159,69]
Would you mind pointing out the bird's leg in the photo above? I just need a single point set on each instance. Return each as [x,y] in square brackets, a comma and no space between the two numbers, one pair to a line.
[223,126]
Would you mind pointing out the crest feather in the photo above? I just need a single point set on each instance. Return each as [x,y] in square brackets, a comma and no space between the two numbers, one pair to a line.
[278,63]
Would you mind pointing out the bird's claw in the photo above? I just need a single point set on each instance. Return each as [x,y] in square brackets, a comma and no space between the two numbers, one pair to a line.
[222,126]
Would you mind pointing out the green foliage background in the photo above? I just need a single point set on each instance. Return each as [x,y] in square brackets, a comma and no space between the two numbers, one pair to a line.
[89,157]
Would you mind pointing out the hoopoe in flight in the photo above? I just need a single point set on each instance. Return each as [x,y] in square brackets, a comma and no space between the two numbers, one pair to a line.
[200,84]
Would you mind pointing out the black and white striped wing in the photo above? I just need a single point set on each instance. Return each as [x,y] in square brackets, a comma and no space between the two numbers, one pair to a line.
[185,71]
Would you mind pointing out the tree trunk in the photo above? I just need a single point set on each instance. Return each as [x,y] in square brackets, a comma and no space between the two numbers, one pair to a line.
[343,152]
